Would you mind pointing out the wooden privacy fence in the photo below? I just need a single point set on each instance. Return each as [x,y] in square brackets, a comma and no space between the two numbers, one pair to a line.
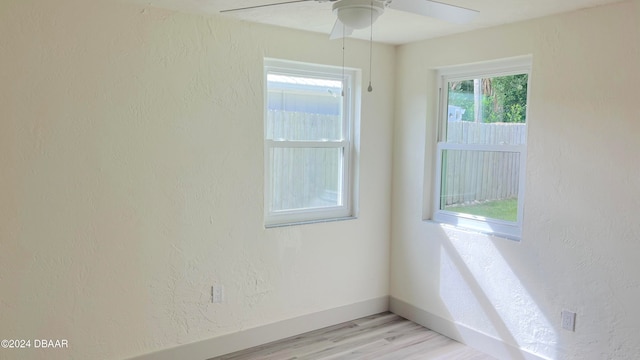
[308,176]
[291,125]
[465,132]
[471,176]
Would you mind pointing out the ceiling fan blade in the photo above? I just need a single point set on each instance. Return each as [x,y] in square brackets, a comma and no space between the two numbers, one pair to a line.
[435,9]
[340,30]
[265,5]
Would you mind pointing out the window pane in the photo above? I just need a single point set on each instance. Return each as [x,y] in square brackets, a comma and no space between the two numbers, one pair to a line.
[482,183]
[488,111]
[304,108]
[306,178]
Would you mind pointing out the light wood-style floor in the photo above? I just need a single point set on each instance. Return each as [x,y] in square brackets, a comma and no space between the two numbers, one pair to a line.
[384,336]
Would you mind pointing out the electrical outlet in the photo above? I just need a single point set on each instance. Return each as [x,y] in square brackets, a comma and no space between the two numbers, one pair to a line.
[217,294]
[568,320]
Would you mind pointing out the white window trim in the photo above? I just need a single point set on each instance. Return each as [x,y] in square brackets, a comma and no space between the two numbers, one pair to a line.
[496,227]
[349,144]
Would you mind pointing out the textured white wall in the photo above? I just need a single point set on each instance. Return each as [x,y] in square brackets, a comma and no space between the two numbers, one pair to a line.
[131,180]
[581,231]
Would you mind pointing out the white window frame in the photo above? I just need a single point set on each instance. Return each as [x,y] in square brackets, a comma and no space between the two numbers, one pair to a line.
[351,113]
[497,227]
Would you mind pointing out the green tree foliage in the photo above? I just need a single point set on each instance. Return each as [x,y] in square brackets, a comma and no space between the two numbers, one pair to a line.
[504,99]
[510,94]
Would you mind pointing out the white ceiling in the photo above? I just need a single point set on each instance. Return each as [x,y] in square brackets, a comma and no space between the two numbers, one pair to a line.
[393,27]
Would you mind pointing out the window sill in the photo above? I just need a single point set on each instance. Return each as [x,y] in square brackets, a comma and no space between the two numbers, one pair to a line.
[298,223]
[470,230]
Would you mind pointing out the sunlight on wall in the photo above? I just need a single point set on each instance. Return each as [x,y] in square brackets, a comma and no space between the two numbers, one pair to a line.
[481,290]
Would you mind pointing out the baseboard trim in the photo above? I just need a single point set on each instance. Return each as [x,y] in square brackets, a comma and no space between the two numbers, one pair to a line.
[461,333]
[245,339]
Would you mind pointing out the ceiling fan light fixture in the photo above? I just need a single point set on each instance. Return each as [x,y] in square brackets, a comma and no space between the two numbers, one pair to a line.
[358,14]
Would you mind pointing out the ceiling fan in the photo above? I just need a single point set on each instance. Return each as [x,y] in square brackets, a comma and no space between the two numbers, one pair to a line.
[359,14]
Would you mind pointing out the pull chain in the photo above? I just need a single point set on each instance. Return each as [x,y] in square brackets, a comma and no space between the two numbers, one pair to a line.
[370,88]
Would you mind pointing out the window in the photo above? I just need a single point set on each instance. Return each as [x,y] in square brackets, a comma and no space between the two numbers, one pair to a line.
[481,149]
[310,111]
